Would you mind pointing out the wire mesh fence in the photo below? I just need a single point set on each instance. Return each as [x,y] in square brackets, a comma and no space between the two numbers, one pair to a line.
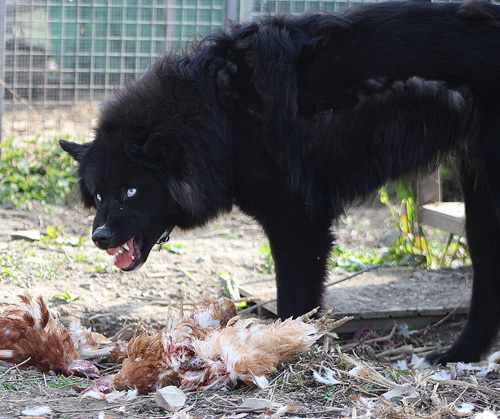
[60,58]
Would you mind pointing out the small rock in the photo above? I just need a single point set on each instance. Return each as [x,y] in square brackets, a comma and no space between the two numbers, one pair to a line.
[111,285]
[170,398]
[258,404]
[30,235]
[88,286]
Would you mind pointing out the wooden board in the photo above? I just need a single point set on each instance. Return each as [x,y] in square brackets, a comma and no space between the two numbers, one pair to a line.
[382,298]
[385,320]
[448,216]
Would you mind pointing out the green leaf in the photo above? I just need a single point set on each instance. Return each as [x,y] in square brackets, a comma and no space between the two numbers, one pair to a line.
[230,285]
[51,232]
[384,196]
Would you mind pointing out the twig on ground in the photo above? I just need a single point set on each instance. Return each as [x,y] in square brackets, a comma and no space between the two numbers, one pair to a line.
[444,319]
[367,373]
[369,341]
[362,271]
[15,367]
[396,351]
[472,386]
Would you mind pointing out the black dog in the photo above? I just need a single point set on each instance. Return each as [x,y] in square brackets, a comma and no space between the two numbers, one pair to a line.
[293,118]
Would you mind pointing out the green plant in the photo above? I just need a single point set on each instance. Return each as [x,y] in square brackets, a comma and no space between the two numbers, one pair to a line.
[56,235]
[98,269]
[450,182]
[411,239]
[177,248]
[396,374]
[10,386]
[231,289]
[354,261]
[67,383]
[412,246]
[66,296]
[8,267]
[329,393]
[35,170]
[268,266]
[410,249]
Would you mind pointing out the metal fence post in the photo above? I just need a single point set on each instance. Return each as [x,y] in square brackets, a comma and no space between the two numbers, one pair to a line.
[2,50]
[231,11]
[246,7]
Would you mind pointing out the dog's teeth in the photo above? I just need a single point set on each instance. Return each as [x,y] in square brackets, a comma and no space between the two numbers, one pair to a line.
[120,251]
[125,246]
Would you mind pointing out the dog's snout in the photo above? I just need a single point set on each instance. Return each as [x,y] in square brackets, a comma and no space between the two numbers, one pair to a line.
[102,236]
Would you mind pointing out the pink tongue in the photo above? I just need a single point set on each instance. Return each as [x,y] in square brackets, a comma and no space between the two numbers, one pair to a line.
[125,259]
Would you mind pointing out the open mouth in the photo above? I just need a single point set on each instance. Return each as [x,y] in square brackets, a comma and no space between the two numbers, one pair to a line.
[127,255]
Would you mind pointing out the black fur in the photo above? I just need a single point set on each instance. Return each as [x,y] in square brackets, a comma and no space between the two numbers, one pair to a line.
[294,118]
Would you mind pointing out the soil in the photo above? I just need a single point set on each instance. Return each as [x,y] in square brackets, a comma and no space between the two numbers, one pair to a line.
[109,300]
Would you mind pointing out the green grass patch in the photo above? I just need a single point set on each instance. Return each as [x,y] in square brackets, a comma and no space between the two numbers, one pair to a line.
[35,170]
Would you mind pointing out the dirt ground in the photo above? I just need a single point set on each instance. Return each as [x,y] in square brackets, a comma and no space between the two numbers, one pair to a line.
[109,300]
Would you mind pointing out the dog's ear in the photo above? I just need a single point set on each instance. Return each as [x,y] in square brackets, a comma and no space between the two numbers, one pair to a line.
[73,149]
[160,152]
[165,154]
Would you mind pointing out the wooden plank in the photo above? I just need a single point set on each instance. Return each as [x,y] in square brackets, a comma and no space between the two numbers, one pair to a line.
[429,188]
[448,216]
[382,320]
[269,309]
[385,320]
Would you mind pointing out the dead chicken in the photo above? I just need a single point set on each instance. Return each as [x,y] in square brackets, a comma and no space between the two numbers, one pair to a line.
[31,336]
[186,354]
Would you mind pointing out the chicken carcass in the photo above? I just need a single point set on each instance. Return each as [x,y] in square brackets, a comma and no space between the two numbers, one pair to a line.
[30,336]
[196,357]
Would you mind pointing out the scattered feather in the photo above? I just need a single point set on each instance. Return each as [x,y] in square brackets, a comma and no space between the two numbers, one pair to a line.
[400,393]
[420,363]
[37,411]
[465,409]
[440,376]
[486,414]
[494,357]
[402,365]
[327,379]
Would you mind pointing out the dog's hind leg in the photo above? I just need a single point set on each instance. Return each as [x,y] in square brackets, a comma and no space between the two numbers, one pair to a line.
[300,247]
[483,235]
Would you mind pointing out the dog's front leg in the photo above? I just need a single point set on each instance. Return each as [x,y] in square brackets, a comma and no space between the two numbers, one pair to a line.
[300,245]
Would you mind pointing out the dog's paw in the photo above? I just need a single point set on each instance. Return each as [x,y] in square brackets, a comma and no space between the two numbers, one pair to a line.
[437,358]
[443,358]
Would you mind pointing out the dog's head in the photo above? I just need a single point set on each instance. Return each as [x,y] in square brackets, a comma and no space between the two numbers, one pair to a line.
[159,159]
[134,208]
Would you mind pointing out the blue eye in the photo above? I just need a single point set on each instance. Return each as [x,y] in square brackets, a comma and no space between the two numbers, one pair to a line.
[98,197]
[131,192]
